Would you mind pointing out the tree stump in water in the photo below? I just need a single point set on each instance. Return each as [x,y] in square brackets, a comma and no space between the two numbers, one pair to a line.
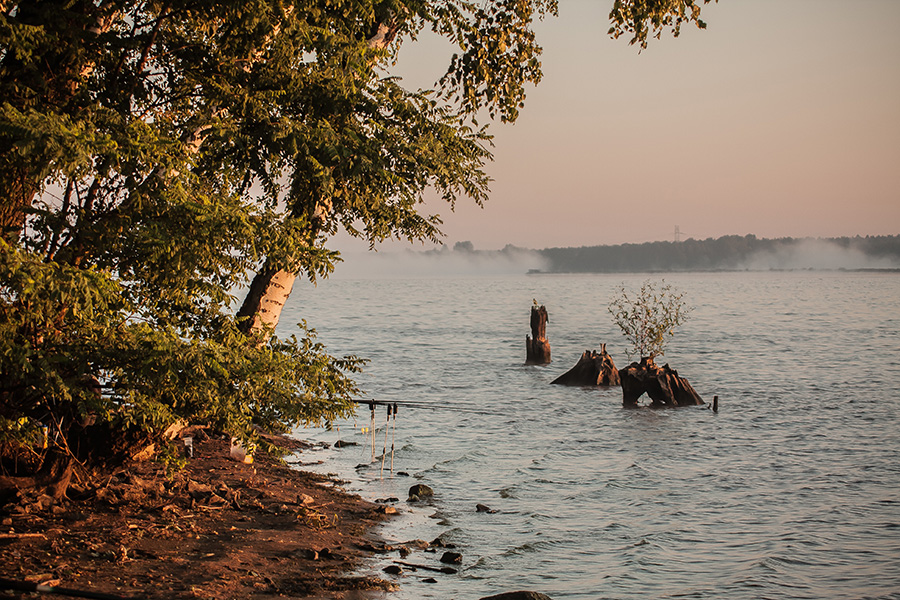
[592,368]
[537,346]
[662,384]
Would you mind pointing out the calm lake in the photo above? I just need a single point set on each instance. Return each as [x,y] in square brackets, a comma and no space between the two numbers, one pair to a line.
[791,490]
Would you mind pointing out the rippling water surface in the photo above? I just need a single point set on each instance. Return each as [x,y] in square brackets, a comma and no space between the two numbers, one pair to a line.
[792,490]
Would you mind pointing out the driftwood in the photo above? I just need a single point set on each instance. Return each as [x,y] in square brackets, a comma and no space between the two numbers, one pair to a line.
[592,368]
[537,346]
[662,384]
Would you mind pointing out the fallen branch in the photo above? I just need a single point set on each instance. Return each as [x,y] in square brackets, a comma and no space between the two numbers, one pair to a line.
[446,570]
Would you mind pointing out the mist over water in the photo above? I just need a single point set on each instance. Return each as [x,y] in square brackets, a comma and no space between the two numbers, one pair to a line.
[790,491]
[443,263]
[817,255]
[780,255]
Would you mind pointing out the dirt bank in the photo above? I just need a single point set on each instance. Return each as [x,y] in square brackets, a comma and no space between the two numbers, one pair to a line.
[218,529]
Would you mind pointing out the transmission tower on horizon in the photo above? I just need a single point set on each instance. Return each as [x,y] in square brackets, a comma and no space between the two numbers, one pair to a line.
[677,234]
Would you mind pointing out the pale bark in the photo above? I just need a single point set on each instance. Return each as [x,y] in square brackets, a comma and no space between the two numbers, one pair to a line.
[265,300]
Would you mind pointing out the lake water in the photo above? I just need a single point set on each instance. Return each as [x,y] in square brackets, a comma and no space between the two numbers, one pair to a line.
[791,490]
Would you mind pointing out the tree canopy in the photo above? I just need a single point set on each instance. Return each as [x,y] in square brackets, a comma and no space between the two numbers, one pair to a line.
[154,153]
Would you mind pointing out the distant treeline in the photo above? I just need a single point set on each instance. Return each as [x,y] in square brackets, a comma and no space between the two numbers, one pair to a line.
[730,252]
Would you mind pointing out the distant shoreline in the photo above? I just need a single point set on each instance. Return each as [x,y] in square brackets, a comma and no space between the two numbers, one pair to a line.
[655,271]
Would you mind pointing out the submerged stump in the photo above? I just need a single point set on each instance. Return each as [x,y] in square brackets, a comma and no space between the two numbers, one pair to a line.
[662,384]
[593,368]
[537,346]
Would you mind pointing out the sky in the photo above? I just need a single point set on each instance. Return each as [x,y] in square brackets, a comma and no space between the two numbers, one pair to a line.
[781,119]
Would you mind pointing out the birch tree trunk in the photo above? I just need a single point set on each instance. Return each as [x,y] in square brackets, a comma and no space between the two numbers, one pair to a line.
[265,300]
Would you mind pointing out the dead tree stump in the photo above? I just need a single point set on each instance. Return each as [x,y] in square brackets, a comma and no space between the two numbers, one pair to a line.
[537,346]
[51,479]
[662,384]
[592,368]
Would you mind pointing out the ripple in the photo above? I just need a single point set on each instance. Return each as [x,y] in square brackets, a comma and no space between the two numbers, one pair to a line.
[790,491]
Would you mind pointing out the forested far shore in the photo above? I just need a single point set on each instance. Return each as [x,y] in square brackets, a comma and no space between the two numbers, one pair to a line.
[730,252]
[727,253]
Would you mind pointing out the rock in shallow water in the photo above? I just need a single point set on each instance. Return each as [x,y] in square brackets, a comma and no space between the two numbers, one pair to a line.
[519,595]
[420,491]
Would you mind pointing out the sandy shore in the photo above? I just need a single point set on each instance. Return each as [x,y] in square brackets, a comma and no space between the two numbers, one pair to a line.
[218,529]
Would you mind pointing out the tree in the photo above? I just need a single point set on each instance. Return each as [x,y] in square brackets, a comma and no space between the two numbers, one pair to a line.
[649,316]
[154,153]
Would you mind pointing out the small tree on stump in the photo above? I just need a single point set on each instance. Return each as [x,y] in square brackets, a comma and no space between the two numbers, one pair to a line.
[647,318]
[537,346]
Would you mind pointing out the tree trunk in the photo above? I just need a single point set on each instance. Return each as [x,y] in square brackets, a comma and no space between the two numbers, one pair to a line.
[17,189]
[52,479]
[662,384]
[268,293]
[537,346]
[592,368]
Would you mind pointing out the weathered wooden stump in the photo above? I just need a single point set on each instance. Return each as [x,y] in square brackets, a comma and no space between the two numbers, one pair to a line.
[592,368]
[537,346]
[662,384]
[52,478]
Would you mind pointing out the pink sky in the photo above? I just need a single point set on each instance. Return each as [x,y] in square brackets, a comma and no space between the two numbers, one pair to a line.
[781,119]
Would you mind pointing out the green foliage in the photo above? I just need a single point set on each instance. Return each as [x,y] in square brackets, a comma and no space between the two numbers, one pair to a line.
[643,19]
[152,154]
[649,316]
[73,350]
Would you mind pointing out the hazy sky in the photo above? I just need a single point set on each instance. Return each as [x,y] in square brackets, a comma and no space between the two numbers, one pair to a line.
[780,119]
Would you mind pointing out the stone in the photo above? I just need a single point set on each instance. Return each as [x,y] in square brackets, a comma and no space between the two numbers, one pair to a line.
[440,543]
[518,595]
[420,491]
[451,558]
[393,569]
[198,490]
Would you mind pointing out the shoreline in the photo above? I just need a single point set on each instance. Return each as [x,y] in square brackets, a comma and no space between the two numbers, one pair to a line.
[216,529]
